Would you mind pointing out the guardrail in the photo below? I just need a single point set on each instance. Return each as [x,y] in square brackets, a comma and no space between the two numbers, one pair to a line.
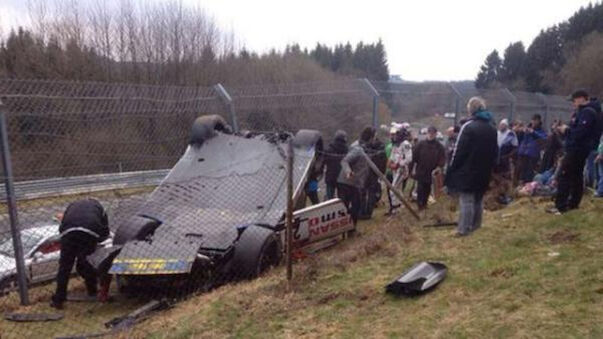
[36,189]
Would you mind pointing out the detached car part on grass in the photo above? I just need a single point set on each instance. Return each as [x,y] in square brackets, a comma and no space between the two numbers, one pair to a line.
[419,279]
[218,215]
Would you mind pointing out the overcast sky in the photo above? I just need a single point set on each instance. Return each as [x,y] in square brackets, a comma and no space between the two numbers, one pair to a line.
[424,39]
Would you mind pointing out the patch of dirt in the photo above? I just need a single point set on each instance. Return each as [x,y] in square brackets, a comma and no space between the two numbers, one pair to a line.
[501,273]
[563,236]
[328,298]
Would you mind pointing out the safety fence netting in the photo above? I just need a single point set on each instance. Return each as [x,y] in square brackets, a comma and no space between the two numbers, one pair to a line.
[184,215]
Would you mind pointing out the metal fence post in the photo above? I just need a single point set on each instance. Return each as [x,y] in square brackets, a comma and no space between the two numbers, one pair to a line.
[375,94]
[12,209]
[230,103]
[513,101]
[289,214]
[545,104]
[457,102]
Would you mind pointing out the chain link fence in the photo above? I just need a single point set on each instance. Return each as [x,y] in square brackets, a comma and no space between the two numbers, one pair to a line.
[180,213]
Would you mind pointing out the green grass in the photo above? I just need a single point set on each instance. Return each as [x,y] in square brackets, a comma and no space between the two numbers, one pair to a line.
[506,280]
[525,274]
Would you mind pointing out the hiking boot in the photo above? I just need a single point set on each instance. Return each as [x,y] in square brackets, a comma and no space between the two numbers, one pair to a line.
[56,305]
[553,211]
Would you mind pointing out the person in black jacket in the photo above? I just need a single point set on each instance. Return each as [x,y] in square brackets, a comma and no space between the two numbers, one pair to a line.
[471,167]
[333,155]
[582,137]
[371,193]
[83,226]
[427,156]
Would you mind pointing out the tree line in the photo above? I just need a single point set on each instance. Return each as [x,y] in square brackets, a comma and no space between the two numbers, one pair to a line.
[561,57]
[164,43]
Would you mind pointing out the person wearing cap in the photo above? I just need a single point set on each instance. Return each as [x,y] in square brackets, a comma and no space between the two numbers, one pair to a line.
[83,226]
[529,149]
[471,167]
[336,150]
[427,156]
[398,164]
[507,145]
[452,132]
[581,137]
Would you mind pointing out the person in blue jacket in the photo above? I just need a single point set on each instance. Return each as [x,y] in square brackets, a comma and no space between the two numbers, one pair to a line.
[529,149]
[582,135]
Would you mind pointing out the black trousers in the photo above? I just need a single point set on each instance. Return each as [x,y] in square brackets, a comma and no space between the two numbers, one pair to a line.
[75,247]
[351,197]
[423,191]
[527,168]
[313,196]
[570,184]
[369,198]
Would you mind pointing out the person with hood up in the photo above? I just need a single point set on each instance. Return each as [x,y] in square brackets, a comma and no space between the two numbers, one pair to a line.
[529,149]
[471,167]
[581,137]
[354,172]
[427,156]
[335,152]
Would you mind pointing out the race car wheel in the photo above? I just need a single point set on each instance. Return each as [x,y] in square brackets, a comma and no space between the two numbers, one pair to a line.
[257,249]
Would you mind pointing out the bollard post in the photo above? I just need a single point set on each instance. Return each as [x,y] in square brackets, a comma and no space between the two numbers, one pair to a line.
[375,94]
[512,101]
[12,209]
[230,103]
[289,214]
[457,102]
[545,105]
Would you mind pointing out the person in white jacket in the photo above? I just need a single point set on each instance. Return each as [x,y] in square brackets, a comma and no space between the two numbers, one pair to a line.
[399,163]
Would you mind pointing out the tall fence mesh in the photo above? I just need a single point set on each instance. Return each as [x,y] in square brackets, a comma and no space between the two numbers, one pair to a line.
[127,146]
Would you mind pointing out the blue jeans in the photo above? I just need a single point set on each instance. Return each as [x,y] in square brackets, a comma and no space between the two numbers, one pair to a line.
[600,183]
[591,170]
[470,212]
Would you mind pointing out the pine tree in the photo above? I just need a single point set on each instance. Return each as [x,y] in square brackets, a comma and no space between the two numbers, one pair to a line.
[513,65]
[490,71]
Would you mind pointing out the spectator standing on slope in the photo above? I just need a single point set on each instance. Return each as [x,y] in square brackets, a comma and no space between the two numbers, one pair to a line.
[472,162]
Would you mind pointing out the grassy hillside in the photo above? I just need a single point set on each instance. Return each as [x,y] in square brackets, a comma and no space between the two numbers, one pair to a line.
[524,274]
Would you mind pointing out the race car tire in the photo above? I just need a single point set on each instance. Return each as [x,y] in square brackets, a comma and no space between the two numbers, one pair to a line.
[307,138]
[257,249]
[136,227]
[205,127]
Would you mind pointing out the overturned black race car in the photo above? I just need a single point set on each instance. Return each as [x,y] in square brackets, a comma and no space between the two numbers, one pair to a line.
[219,214]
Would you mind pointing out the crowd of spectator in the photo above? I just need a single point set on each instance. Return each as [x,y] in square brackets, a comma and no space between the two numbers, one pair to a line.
[478,153]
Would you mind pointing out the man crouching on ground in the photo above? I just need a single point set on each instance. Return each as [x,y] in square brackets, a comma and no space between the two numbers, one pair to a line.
[472,162]
[83,226]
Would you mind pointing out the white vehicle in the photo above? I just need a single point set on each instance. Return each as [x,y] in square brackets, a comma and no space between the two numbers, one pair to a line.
[41,248]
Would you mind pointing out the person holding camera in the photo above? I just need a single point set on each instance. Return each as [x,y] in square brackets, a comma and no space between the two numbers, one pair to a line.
[529,149]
